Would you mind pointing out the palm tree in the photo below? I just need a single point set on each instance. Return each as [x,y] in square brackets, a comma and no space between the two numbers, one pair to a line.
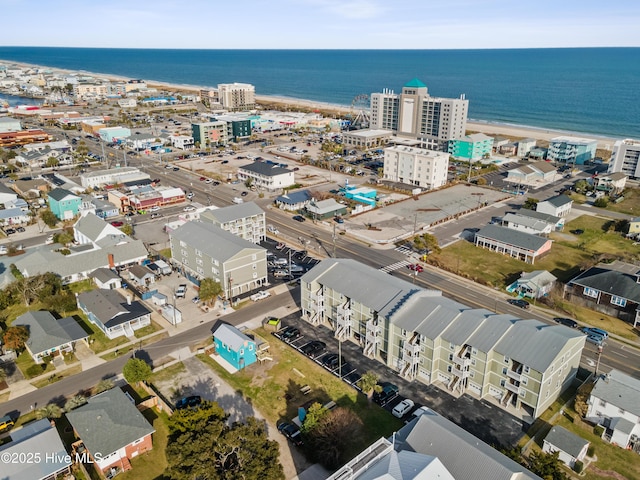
[368,383]
[49,411]
[74,402]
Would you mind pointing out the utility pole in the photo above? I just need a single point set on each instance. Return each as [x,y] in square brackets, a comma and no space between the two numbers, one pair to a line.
[333,254]
[598,362]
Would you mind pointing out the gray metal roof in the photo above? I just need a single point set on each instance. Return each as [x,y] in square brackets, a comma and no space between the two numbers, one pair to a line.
[465,325]
[427,314]
[110,307]
[623,425]
[466,457]
[103,275]
[6,190]
[491,331]
[545,217]
[108,422]
[292,198]
[526,221]
[564,440]
[264,168]
[212,240]
[231,336]
[512,237]
[620,390]
[405,465]
[558,200]
[231,213]
[139,272]
[34,438]
[91,226]
[47,333]
[535,343]
[613,282]
[324,206]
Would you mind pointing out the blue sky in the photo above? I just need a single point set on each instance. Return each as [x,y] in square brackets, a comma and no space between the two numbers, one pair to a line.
[356,24]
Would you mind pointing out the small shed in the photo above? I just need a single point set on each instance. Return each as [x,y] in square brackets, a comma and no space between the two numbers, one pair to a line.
[234,346]
[171,314]
[106,278]
[159,299]
[163,267]
[141,275]
[570,446]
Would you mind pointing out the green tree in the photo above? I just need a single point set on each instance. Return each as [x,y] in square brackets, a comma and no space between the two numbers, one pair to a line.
[136,370]
[49,411]
[530,203]
[16,337]
[481,181]
[127,229]
[48,217]
[582,186]
[601,202]
[52,162]
[314,413]
[546,465]
[333,437]
[248,182]
[368,383]
[74,402]
[427,241]
[209,290]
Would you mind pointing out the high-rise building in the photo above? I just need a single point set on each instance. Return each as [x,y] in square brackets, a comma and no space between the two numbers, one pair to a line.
[415,114]
[237,96]
[625,158]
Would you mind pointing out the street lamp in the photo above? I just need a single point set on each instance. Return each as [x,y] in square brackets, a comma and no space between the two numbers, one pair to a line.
[598,361]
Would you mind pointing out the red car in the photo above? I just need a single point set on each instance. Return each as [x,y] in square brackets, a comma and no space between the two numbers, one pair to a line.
[117,224]
[415,267]
[202,179]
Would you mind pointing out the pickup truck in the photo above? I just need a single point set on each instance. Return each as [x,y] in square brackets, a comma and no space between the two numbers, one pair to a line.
[181,291]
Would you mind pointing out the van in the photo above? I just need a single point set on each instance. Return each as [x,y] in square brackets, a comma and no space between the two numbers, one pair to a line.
[596,331]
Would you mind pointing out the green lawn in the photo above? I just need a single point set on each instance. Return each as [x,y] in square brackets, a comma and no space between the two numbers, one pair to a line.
[151,465]
[167,373]
[24,361]
[57,376]
[274,390]
[148,330]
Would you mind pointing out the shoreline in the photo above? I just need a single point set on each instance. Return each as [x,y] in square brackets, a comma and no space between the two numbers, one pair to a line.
[483,126]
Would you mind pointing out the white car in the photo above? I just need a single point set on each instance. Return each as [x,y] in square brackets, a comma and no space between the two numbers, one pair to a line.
[260,295]
[208,180]
[190,195]
[401,409]
[189,208]
[3,250]
[49,240]
[155,208]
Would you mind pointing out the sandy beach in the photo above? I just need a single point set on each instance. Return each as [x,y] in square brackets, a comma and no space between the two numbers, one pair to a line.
[486,127]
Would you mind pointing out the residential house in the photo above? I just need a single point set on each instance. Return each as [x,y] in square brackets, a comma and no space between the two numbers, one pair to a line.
[542,223]
[266,175]
[30,188]
[203,250]
[64,204]
[293,201]
[112,313]
[471,147]
[613,403]
[634,227]
[6,194]
[610,183]
[570,447]
[183,142]
[234,346]
[524,146]
[49,336]
[14,216]
[521,365]
[572,150]
[534,284]
[143,141]
[106,278]
[323,209]
[558,206]
[533,174]
[611,288]
[247,220]
[112,430]
[141,276]
[431,447]
[36,440]
[520,245]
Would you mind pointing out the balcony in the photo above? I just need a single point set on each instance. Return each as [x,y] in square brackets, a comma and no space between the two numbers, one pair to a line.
[462,373]
[514,375]
[512,388]
[462,361]
[410,349]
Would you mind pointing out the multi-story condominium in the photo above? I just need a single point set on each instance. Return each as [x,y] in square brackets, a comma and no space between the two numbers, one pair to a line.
[625,158]
[572,150]
[523,365]
[183,142]
[83,90]
[237,96]
[416,166]
[210,133]
[268,176]
[204,250]
[246,220]
[471,147]
[415,114]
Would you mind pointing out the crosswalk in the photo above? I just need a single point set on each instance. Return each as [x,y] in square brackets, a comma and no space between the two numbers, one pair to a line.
[403,250]
[394,266]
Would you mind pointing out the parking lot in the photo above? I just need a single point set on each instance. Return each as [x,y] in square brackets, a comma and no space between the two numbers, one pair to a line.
[479,417]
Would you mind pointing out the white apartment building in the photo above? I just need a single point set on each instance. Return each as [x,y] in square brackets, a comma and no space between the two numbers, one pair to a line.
[416,166]
[237,96]
[112,176]
[183,142]
[521,365]
[625,158]
[415,114]
[246,220]
[267,176]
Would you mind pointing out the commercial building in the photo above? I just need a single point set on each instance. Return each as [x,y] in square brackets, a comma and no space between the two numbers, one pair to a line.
[183,142]
[572,150]
[266,175]
[210,134]
[415,114]
[515,243]
[365,139]
[237,96]
[423,168]
[246,220]
[23,137]
[114,134]
[471,147]
[203,250]
[8,124]
[112,176]
[87,90]
[625,158]
[521,365]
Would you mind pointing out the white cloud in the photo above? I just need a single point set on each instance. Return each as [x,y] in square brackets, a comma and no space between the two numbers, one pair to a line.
[351,9]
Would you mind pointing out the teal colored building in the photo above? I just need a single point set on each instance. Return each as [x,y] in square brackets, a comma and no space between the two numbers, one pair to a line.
[471,147]
[114,134]
[240,129]
[572,150]
[234,346]
[64,204]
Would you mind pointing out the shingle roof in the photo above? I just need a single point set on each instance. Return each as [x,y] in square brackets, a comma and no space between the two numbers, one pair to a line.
[232,212]
[526,221]
[264,168]
[613,282]
[566,441]
[509,236]
[324,206]
[60,194]
[47,333]
[140,271]
[619,389]
[292,198]
[103,275]
[558,200]
[545,217]
[405,465]
[108,422]
[544,167]
[231,336]
[111,308]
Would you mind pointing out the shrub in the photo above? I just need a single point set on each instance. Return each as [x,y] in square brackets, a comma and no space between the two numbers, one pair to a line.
[578,466]
[35,370]
[591,450]
[598,430]
[601,202]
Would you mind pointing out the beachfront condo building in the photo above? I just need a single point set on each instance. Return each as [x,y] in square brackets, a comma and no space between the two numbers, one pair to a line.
[471,147]
[415,114]
[420,167]
[625,158]
[237,96]
[521,365]
[572,150]
[209,134]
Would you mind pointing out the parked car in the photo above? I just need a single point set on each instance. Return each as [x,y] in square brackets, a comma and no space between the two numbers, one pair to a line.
[596,331]
[314,348]
[566,321]
[260,295]
[299,218]
[401,409]
[195,300]
[595,339]
[49,240]
[415,267]
[189,208]
[176,169]
[330,360]
[280,273]
[290,334]
[181,291]
[244,194]
[519,302]
[156,215]
[389,392]
[190,195]
[9,231]
[280,245]
[155,208]
[208,180]
[117,224]
[292,432]
[202,179]
[338,219]
[20,230]
[192,401]
[3,250]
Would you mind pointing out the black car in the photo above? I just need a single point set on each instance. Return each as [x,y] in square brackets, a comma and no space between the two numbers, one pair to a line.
[244,194]
[9,231]
[292,432]
[192,401]
[388,392]
[20,229]
[314,348]
[290,334]
[566,321]
[299,218]
[176,169]
[330,361]
[518,302]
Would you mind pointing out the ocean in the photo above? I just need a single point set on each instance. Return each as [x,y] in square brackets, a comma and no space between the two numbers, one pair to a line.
[583,90]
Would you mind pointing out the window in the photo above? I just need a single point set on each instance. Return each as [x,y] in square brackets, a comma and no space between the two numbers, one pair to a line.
[253,257]
[451,357]
[590,292]
[619,301]
[473,362]
[504,371]
[621,411]
[198,261]
[215,262]
[215,271]
[452,346]
[254,266]
[198,253]
[526,369]
[474,351]
[200,270]
[523,381]
[506,359]
[242,351]
[449,368]
[503,382]
[472,374]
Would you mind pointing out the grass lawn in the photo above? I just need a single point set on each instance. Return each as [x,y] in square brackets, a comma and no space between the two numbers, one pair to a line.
[98,341]
[4,397]
[630,205]
[151,465]
[55,377]
[597,319]
[24,361]
[274,389]
[167,373]
[148,330]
